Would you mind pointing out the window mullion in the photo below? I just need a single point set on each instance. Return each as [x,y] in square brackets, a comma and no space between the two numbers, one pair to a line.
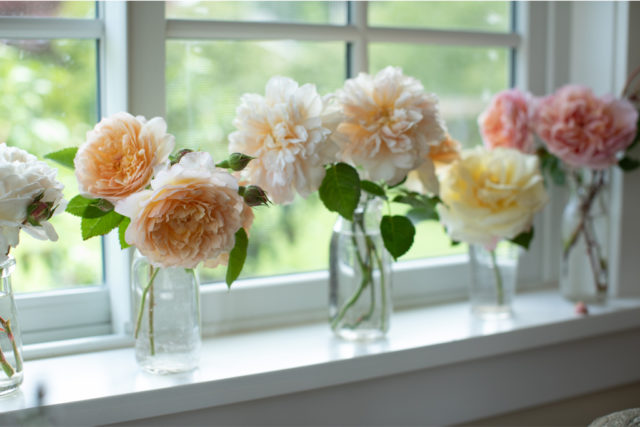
[359,59]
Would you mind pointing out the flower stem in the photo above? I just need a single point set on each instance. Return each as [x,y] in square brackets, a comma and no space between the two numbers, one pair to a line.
[365,267]
[6,325]
[6,366]
[143,299]
[152,345]
[496,271]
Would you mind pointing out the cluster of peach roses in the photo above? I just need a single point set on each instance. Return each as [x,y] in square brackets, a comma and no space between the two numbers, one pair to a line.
[181,211]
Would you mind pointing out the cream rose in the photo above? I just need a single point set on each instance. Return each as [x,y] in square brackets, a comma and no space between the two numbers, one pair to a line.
[491,195]
[284,131]
[121,155]
[190,214]
[25,182]
[388,124]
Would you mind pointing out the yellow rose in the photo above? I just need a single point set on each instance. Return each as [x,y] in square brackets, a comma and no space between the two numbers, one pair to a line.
[120,156]
[491,195]
[190,214]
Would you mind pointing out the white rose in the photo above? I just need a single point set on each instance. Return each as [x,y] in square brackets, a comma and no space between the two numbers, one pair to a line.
[24,180]
[491,195]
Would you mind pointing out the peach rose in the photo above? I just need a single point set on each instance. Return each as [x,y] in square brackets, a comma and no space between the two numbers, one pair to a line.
[507,122]
[424,179]
[584,130]
[190,214]
[121,155]
[388,124]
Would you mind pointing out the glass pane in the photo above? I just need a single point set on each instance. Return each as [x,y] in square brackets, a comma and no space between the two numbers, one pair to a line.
[49,9]
[464,78]
[48,92]
[309,12]
[448,15]
[204,83]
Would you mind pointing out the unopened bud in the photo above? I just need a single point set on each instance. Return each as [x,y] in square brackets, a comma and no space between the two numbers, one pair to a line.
[255,196]
[179,155]
[238,161]
[38,211]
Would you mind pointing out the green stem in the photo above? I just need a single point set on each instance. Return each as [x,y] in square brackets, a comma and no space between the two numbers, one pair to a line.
[152,343]
[6,324]
[496,271]
[143,299]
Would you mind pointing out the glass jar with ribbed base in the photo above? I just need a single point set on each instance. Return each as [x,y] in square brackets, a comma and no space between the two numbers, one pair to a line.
[166,304]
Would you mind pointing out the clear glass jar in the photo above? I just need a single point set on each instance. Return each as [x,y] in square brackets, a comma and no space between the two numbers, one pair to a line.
[360,275]
[584,272]
[166,307]
[493,279]
[10,337]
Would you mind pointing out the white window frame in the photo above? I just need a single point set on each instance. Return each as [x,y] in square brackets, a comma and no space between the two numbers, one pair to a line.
[132,57]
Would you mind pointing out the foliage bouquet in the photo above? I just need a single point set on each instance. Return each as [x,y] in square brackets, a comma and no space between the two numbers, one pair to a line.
[31,195]
[355,148]
[489,196]
[178,211]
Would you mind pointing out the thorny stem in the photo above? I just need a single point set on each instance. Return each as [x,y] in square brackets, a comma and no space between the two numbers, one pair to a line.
[585,227]
[6,366]
[6,325]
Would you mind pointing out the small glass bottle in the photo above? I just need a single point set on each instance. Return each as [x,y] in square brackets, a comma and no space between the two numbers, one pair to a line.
[11,365]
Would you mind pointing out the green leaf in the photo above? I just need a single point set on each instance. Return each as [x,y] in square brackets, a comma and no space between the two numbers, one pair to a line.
[553,167]
[122,228]
[88,208]
[373,188]
[237,256]
[340,189]
[524,239]
[397,234]
[628,164]
[399,183]
[422,214]
[64,157]
[101,225]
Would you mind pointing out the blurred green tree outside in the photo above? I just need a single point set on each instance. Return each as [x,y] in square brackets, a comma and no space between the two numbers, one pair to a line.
[49,98]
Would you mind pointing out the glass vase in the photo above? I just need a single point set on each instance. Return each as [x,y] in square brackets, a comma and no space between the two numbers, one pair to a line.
[584,273]
[360,275]
[10,337]
[493,279]
[166,303]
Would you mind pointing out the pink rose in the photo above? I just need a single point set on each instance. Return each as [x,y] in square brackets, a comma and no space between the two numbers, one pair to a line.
[507,122]
[584,130]
[190,214]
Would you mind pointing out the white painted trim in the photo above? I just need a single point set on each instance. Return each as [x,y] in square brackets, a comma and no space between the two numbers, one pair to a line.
[50,28]
[232,30]
[443,37]
[360,50]
[239,30]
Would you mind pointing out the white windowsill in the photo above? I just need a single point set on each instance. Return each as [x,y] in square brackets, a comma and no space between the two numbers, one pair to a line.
[107,386]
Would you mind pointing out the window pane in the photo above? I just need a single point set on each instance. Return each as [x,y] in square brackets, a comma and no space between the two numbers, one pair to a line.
[309,12]
[48,92]
[49,9]
[450,15]
[464,79]
[204,83]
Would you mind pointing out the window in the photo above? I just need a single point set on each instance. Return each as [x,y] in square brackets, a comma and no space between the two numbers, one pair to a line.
[197,58]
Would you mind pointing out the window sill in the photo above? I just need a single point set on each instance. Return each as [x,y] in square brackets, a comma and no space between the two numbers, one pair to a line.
[107,387]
